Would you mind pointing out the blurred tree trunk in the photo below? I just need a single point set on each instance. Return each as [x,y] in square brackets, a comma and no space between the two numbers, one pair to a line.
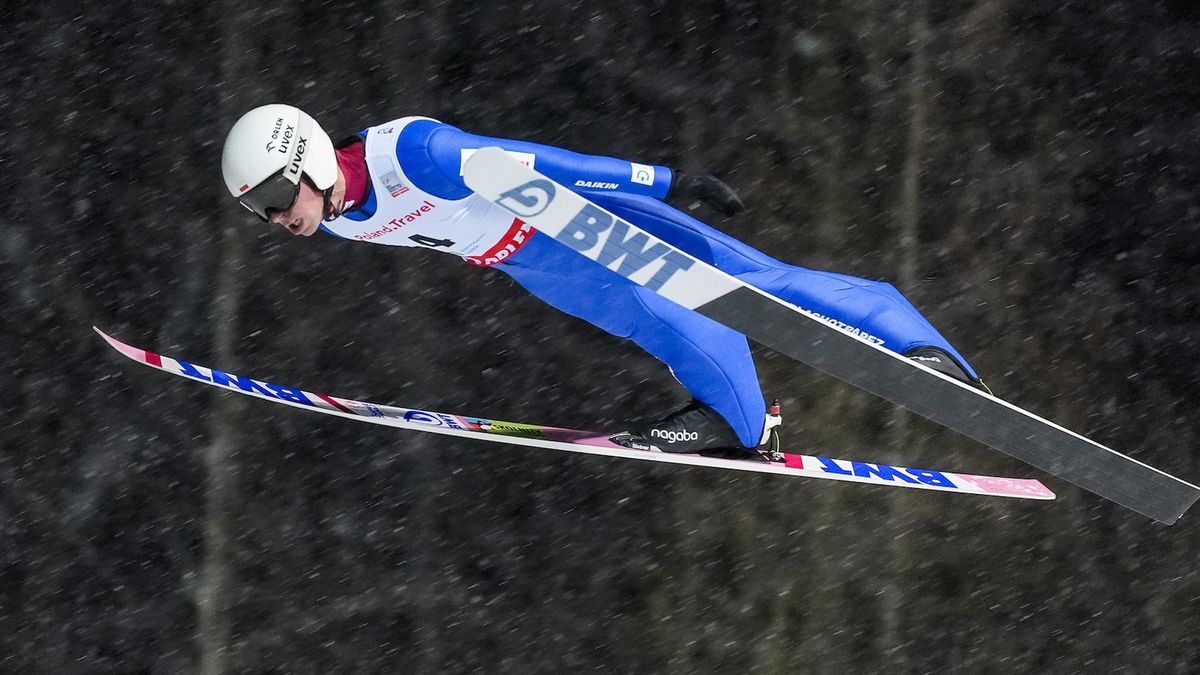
[214,601]
[902,505]
[222,493]
[406,82]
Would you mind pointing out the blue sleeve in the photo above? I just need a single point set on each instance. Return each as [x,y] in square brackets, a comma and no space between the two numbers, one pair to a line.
[432,155]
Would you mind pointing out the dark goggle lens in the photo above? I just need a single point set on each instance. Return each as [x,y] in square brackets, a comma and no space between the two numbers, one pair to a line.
[273,195]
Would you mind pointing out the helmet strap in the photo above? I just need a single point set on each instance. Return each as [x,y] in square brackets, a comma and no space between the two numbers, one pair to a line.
[326,197]
[330,213]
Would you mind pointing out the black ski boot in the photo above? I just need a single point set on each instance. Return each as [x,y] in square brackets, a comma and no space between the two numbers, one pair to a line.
[937,359]
[696,428]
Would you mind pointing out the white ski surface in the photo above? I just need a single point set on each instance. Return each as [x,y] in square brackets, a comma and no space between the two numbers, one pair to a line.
[587,442]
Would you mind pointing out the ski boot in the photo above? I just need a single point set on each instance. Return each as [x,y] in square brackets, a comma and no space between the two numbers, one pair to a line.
[937,359]
[696,429]
[693,429]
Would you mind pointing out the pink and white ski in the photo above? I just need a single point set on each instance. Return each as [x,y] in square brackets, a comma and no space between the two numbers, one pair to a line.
[589,442]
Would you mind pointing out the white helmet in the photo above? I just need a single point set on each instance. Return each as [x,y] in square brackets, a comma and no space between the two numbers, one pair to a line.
[268,150]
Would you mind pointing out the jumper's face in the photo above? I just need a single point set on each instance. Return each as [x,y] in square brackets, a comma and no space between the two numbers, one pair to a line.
[305,214]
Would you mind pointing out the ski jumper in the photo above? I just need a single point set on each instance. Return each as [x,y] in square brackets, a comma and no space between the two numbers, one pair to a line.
[417,198]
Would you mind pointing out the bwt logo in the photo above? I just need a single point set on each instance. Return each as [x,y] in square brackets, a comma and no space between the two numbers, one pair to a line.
[529,199]
[889,473]
[594,227]
[245,384]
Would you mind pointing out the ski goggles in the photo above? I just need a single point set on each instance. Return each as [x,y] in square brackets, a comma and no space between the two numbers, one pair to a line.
[274,195]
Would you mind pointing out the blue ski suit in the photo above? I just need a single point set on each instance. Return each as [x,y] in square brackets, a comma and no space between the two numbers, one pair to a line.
[712,361]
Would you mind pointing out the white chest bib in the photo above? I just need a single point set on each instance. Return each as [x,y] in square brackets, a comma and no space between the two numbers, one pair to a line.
[471,227]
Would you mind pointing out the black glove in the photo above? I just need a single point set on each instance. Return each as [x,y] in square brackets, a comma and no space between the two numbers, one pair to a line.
[707,189]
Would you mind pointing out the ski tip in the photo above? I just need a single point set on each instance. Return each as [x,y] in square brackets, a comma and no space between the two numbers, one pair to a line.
[139,355]
[112,341]
[483,161]
[486,155]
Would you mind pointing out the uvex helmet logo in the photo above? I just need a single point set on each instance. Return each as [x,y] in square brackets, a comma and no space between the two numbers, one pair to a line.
[528,199]
[277,132]
[298,159]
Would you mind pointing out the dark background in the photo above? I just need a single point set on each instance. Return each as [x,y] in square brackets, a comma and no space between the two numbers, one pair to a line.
[1024,170]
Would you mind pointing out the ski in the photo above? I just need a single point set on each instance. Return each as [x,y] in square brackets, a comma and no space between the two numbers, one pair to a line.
[588,442]
[813,340]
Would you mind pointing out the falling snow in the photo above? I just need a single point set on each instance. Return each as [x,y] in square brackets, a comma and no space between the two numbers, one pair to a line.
[1025,171]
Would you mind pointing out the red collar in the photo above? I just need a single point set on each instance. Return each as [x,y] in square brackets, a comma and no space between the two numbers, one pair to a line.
[352,160]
